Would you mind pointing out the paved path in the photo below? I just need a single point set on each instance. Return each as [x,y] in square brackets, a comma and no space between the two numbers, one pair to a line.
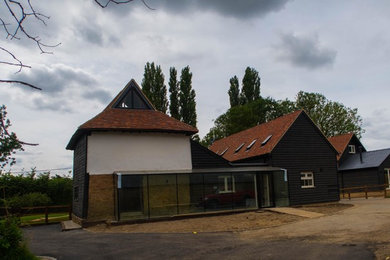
[367,222]
[81,244]
[355,233]
[296,212]
[69,225]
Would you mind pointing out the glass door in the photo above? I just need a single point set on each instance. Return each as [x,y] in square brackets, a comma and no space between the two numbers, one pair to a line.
[387,178]
[265,190]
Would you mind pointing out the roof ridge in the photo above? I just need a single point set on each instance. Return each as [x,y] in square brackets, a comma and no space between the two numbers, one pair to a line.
[260,125]
[340,135]
[378,150]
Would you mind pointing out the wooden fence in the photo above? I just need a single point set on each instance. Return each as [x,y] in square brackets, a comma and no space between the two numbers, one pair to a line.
[44,210]
[364,190]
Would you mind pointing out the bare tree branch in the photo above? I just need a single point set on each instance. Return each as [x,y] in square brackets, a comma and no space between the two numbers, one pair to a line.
[20,12]
[19,82]
[118,2]
[19,62]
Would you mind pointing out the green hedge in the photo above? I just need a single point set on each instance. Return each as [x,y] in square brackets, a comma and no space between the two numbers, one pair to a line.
[58,188]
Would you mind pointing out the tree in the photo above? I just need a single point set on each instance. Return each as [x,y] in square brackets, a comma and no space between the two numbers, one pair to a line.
[333,118]
[250,86]
[187,98]
[234,92]
[9,143]
[154,88]
[174,94]
[242,117]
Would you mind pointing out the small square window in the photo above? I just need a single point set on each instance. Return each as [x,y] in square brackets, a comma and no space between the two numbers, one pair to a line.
[226,184]
[76,194]
[351,149]
[307,180]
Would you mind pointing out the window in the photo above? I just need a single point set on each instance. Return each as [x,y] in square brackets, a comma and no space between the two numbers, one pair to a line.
[251,144]
[351,149]
[76,194]
[223,152]
[266,140]
[239,148]
[226,184]
[307,180]
[387,178]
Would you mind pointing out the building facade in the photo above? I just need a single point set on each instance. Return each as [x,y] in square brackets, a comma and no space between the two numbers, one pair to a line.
[132,162]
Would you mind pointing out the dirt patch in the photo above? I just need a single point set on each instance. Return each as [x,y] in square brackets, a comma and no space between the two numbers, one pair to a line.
[326,208]
[233,222]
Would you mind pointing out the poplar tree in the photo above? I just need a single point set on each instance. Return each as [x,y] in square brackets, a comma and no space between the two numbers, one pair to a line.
[187,98]
[154,88]
[234,92]
[250,86]
[174,94]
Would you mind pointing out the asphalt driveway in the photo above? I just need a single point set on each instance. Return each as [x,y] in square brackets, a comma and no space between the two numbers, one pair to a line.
[355,233]
[81,244]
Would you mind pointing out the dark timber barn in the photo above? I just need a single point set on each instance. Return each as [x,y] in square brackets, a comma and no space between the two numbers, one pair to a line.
[358,167]
[294,143]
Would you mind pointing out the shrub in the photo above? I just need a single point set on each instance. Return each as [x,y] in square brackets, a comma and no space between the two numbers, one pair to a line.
[29,200]
[12,245]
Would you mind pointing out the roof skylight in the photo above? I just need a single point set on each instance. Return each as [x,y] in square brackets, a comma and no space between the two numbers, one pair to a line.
[224,151]
[239,148]
[266,140]
[251,144]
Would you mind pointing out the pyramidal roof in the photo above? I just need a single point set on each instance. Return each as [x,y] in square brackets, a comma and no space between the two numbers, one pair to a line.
[131,111]
[255,141]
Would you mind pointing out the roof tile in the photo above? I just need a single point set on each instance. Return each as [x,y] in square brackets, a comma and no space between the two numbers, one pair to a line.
[277,128]
[122,119]
[340,142]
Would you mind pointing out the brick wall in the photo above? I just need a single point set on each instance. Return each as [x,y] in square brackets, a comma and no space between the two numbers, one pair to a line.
[101,206]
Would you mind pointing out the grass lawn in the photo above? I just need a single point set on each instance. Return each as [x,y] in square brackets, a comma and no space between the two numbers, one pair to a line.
[40,218]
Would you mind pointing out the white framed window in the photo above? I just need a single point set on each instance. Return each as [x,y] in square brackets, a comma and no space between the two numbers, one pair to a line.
[307,180]
[387,178]
[226,184]
[351,148]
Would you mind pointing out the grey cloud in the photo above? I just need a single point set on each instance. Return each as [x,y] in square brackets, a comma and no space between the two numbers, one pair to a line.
[91,34]
[95,34]
[240,9]
[99,94]
[51,104]
[306,52]
[56,79]
[243,9]
[61,87]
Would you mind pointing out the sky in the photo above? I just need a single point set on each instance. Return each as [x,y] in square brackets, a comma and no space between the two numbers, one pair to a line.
[338,48]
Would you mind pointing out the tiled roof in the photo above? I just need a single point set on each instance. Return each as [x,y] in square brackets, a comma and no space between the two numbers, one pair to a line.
[277,128]
[370,159]
[340,142]
[136,119]
[122,119]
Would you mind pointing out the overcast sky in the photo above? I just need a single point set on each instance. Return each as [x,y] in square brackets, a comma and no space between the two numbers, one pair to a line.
[338,48]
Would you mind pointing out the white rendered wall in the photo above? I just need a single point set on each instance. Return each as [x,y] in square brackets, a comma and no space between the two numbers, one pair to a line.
[112,151]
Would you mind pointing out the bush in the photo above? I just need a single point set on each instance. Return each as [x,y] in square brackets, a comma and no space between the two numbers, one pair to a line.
[12,245]
[58,188]
[29,200]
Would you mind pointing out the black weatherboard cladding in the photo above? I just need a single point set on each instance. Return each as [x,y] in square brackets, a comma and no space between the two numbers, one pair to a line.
[366,176]
[205,158]
[356,142]
[304,149]
[80,177]
[360,177]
